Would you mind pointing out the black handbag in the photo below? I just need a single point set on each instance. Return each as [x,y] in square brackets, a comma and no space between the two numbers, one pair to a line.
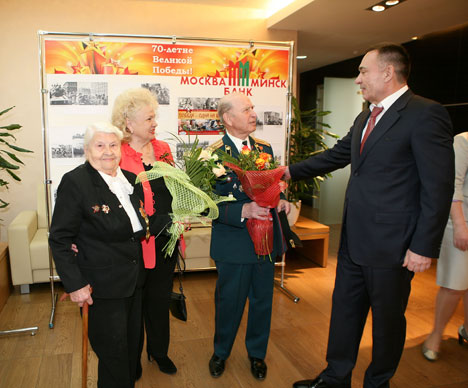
[292,239]
[177,306]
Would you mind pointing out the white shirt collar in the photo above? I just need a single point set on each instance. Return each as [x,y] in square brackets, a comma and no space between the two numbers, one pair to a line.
[388,101]
[122,189]
[119,180]
[238,142]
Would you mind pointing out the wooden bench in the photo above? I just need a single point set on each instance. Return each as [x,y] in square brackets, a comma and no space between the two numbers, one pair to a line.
[314,237]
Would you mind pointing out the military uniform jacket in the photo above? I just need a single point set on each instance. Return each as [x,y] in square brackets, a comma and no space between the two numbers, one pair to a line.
[230,239]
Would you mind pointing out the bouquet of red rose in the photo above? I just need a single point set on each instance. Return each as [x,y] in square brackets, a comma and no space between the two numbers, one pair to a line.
[260,177]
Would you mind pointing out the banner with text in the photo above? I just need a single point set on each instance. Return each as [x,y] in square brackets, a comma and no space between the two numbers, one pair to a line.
[83,78]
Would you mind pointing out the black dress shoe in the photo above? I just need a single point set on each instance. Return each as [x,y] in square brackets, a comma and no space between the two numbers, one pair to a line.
[316,383]
[165,364]
[258,368]
[216,366]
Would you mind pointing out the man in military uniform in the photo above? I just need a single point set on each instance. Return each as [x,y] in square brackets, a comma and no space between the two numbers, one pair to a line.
[242,273]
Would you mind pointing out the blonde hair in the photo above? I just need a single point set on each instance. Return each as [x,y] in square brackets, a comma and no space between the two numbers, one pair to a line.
[100,127]
[127,104]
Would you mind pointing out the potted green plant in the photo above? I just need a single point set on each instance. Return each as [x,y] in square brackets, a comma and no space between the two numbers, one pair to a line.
[7,150]
[307,138]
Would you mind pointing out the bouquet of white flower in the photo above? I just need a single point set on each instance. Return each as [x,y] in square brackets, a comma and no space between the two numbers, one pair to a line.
[191,189]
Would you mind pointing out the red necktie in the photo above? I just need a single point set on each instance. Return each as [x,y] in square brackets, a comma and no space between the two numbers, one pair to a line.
[370,125]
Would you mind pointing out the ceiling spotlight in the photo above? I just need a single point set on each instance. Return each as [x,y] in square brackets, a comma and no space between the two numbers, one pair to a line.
[378,8]
[414,38]
[301,57]
[383,5]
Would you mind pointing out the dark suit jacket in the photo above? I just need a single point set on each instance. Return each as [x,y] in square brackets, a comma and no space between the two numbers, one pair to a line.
[109,256]
[230,239]
[400,188]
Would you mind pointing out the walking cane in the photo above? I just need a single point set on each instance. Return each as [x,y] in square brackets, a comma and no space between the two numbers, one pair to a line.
[84,345]
[84,348]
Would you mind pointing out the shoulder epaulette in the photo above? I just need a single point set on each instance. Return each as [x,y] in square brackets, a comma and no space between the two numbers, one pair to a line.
[217,144]
[260,141]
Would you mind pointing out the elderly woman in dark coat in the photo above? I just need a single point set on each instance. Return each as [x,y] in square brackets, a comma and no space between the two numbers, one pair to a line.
[98,210]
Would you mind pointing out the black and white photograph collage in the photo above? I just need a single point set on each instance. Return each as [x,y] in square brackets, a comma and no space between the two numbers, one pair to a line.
[270,128]
[78,93]
[75,101]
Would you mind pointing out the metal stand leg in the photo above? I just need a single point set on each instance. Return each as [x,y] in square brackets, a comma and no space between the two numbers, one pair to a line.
[33,331]
[54,296]
[280,283]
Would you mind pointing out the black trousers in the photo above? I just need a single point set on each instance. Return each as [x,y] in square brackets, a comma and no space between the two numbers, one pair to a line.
[358,289]
[156,300]
[114,332]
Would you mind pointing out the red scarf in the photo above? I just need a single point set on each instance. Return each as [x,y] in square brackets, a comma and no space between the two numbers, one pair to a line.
[131,161]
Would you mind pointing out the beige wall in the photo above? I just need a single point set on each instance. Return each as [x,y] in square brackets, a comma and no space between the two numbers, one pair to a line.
[19,64]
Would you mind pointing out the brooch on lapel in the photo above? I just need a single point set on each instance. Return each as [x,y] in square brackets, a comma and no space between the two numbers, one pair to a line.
[97,209]
[145,217]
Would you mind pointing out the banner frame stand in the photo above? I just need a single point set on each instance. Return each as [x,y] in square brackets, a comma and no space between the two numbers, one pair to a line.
[171,39]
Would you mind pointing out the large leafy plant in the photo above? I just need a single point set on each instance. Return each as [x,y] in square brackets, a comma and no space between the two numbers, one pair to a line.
[307,138]
[9,162]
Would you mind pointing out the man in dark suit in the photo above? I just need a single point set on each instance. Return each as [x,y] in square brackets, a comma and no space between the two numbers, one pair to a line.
[396,206]
[242,273]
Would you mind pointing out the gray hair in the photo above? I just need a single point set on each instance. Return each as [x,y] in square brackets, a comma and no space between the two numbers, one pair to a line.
[100,127]
[225,104]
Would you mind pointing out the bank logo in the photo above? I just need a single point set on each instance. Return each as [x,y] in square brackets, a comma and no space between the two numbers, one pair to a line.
[239,74]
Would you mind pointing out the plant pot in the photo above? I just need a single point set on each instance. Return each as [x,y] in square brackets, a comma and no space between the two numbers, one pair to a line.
[294,212]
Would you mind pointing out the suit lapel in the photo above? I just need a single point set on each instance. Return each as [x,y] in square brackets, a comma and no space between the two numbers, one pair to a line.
[387,121]
[360,125]
[106,197]
[356,139]
[230,147]
[136,201]
[253,144]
